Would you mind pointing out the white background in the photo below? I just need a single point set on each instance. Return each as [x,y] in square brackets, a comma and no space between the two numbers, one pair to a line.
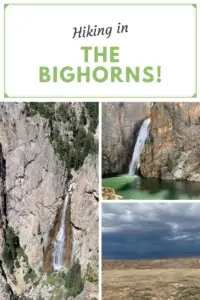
[74,99]
[158,36]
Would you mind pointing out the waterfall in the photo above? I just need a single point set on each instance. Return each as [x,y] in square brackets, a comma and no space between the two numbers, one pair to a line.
[59,244]
[141,139]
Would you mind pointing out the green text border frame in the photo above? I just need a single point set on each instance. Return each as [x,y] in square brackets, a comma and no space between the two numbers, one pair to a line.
[100,4]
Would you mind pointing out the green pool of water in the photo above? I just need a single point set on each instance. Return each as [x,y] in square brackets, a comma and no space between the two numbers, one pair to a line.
[134,187]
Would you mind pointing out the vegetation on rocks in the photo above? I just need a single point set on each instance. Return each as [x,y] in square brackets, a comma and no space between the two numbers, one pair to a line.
[66,283]
[93,111]
[30,275]
[8,289]
[10,249]
[13,254]
[46,110]
[91,274]
[33,184]
[72,148]
[73,280]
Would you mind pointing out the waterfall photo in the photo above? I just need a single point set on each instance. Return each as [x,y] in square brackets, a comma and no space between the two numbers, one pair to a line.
[150,150]
[49,193]
[150,251]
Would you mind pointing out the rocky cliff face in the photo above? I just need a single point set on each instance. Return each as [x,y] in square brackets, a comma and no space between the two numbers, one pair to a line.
[84,216]
[35,179]
[41,153]
[173,150]
[120,123]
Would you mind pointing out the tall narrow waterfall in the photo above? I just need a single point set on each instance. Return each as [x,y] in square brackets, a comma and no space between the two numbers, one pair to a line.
[59,244]
[141,139]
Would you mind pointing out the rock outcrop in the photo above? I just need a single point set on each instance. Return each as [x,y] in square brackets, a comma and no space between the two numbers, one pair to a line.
[35,179]
[84,213]
[5,294]
[42,151]
[109,194]
[120,122]
[89,292]
[173,149]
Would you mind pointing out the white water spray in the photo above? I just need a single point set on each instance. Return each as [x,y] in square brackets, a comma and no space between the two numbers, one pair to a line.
[59,244]
[141,139]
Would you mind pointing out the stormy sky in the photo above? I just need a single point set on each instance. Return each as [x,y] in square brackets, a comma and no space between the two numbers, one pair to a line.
[150,230]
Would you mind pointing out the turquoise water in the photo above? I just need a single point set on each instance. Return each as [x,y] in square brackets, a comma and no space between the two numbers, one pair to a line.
[134,187]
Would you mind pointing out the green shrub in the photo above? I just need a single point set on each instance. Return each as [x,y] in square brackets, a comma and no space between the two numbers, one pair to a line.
[93,112]
[83,119]
[17,264]
[30,275]
[52,279]
[14,280]
[10,248]
[73,121]
[21,254]
[73,280]
[91,274]
[46,109]
[63,113]
[72,153]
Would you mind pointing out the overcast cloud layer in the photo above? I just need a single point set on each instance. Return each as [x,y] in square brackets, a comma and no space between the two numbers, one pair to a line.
[151,230]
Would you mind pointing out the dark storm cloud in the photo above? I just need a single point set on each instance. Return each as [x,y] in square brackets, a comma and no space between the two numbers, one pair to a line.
[153,230]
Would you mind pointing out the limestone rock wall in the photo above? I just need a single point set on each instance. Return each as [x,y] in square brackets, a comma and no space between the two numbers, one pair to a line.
[118,125]
[85,214]
[173,150]
[33,185]
[35,178]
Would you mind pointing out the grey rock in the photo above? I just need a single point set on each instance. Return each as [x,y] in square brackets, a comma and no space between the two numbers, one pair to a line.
[35,178]
[173,149]
[4,293]
[118,124]
[84,213]
[35,187]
